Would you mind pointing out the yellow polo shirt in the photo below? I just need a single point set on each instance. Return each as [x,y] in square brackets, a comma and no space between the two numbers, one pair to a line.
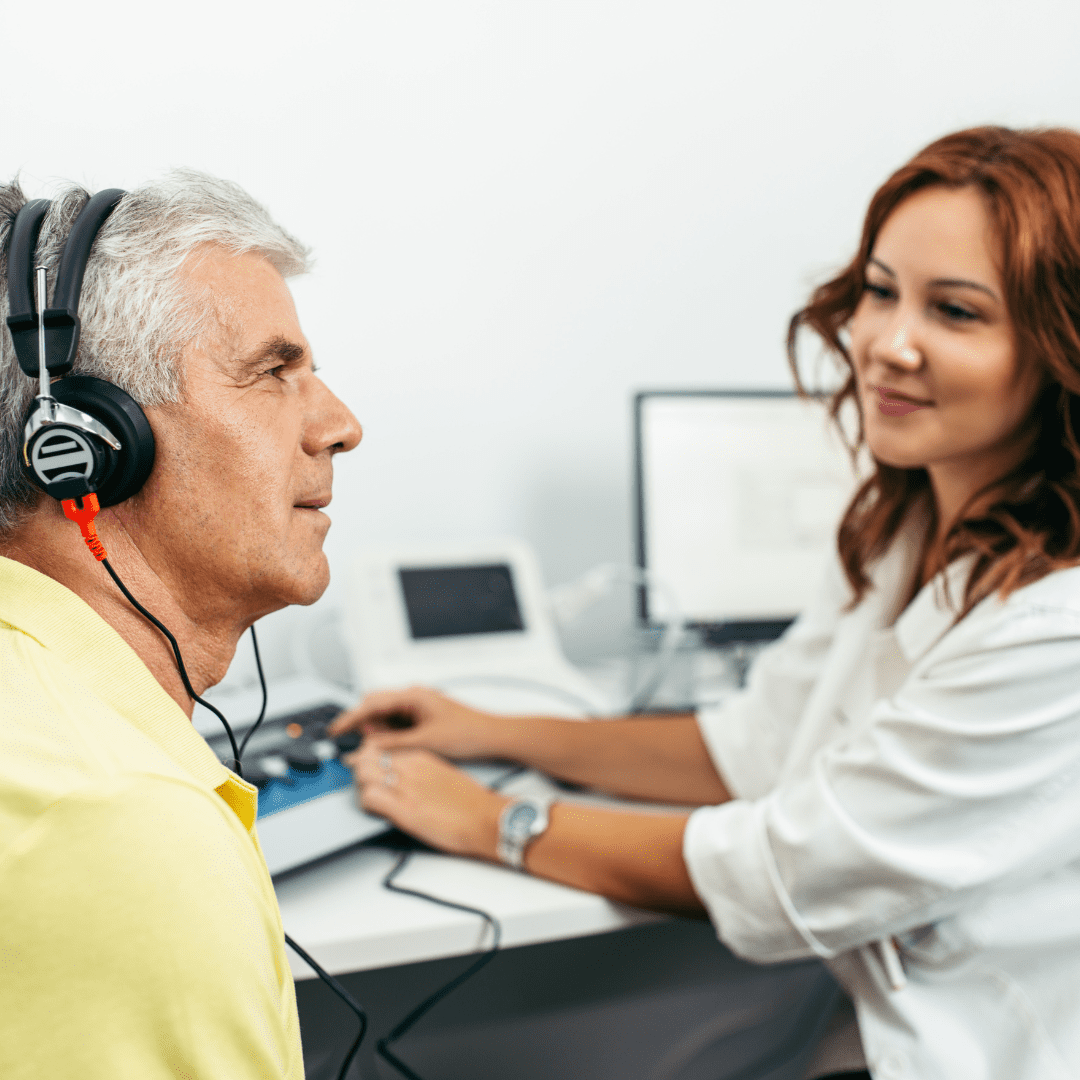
[139,932]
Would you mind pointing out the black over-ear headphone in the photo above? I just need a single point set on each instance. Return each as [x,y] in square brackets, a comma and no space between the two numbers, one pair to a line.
[84,435]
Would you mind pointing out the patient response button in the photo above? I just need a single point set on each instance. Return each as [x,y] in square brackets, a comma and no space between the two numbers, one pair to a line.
[324,750]
[275,767]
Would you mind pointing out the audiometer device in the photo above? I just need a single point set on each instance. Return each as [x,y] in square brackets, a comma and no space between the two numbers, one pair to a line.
[470,621]
[307,800]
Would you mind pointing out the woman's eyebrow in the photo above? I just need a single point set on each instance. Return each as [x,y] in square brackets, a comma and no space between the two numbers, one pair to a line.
[962,283]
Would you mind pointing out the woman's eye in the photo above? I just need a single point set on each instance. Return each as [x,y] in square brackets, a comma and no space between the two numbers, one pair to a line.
[957,313]
[882,292]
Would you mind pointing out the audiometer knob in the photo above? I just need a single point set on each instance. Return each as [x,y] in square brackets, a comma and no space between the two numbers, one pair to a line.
[303,759]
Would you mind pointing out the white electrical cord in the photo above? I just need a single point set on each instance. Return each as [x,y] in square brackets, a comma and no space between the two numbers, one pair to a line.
[568,601]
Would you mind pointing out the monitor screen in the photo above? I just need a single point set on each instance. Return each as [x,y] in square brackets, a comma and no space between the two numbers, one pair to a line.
[738,496]
[443,601]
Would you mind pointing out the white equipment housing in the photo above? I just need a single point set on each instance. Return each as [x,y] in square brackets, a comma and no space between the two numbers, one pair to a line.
[471,621]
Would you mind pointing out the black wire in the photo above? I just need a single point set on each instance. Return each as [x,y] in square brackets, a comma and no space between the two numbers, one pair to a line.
[179,663]
[425,1006]
[341,993]
[324,975]
[262,683]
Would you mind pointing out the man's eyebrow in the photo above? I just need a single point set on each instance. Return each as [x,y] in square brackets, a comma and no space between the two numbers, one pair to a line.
[962,283]
[279,349]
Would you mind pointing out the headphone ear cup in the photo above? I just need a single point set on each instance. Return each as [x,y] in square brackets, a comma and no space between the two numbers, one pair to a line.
[121,414]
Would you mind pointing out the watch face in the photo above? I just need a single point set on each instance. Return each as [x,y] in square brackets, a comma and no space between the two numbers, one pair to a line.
[521,819]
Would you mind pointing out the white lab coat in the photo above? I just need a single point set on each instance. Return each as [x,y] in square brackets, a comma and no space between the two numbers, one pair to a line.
[907,807]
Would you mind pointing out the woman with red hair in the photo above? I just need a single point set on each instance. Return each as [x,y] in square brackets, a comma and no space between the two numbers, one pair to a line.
[897,790]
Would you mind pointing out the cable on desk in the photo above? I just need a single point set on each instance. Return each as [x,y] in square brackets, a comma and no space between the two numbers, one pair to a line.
[341,993]
[425,1006]
[389,882]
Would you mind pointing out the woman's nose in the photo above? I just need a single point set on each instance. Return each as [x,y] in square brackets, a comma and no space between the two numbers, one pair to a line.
[897,348]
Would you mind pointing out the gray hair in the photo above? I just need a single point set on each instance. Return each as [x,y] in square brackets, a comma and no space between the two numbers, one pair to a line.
[138,311]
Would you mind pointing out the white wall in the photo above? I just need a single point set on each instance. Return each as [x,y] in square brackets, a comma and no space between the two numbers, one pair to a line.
[525,211]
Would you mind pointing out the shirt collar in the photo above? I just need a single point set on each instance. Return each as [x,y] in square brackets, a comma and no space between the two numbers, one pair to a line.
[63,623]
[934,610]
[935,607]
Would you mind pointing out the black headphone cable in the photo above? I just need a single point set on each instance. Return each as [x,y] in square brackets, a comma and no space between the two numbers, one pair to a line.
[265,697]
[179,663]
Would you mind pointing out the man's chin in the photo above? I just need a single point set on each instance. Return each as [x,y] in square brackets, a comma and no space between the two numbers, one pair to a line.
[298,585]
[308,588]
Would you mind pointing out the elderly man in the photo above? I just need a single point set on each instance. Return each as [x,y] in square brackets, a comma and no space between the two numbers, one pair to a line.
[139,933]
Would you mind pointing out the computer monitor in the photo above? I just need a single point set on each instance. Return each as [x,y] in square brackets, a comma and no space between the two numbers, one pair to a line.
[739,494]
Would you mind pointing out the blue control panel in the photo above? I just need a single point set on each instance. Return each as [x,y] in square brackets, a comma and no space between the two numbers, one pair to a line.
[291,760]
[297,788]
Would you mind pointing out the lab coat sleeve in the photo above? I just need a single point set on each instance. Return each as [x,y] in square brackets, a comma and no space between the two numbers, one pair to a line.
[966,778]
[748,735]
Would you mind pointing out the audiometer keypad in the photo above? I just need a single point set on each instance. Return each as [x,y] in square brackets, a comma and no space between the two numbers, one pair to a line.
[292,760]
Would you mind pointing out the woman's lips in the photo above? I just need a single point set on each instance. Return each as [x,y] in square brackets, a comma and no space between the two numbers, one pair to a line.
[893,404]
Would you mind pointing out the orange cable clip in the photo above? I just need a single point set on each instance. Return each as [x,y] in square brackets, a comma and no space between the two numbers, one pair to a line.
[83,511]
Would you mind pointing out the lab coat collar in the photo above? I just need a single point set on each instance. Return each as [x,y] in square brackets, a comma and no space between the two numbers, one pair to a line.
[934,610]
[938,603]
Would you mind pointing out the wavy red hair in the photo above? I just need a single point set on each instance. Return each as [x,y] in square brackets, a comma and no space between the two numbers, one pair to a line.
[1030,182]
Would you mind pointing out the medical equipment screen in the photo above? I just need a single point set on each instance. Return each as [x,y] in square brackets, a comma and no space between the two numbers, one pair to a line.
[739,498]
[452,600]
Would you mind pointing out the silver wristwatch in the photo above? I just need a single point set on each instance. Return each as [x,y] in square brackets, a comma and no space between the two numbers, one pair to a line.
[521,822]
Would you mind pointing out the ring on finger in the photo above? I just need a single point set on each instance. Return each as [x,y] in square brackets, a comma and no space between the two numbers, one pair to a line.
[386,763]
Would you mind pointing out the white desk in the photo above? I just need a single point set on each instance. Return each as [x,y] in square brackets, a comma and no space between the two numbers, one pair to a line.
[340,912]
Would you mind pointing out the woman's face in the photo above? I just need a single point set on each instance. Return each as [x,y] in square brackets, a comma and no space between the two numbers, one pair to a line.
[939,381]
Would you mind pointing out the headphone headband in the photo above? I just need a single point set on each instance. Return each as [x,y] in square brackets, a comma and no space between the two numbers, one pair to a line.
[22,313]
[61,321]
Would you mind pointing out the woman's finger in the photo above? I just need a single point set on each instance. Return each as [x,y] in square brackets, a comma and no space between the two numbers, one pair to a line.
[376,707]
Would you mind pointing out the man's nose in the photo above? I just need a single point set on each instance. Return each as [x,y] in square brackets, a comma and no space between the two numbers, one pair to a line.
[332,425]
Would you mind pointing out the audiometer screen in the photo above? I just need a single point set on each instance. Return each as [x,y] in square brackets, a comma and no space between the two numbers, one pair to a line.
[454,600]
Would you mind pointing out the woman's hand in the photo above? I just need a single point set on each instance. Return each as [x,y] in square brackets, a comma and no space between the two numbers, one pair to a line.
[428,798]
[631,857]
[420,717]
